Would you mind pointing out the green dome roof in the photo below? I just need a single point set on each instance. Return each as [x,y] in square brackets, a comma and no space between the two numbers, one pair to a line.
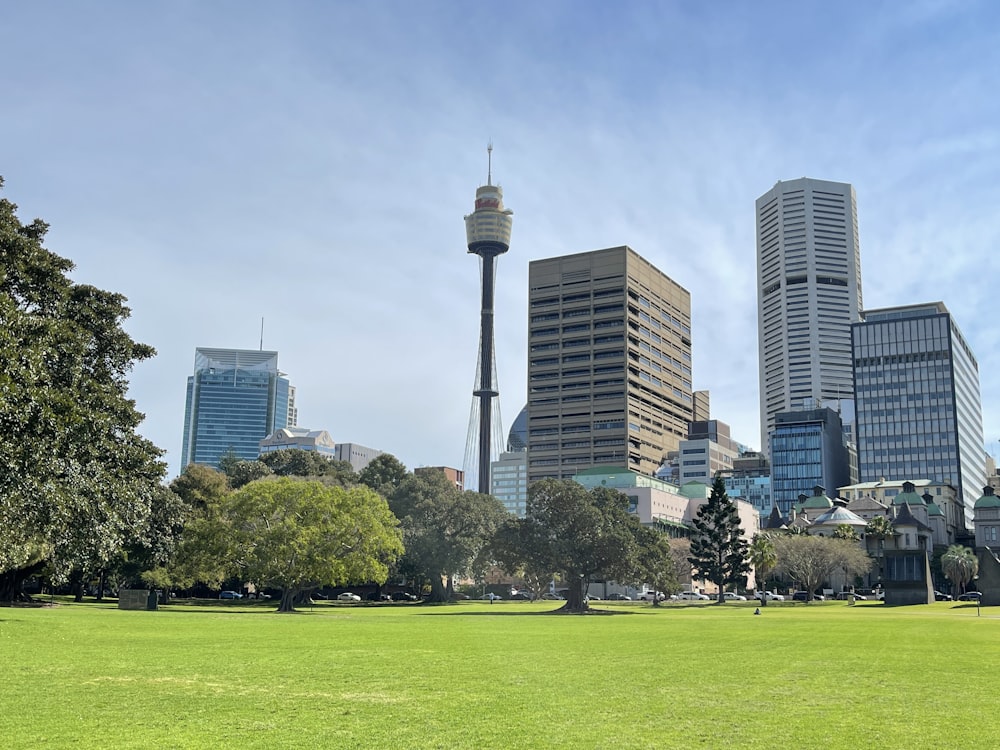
[988,501]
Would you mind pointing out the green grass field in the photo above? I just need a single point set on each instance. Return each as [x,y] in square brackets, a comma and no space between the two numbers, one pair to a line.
[476,675]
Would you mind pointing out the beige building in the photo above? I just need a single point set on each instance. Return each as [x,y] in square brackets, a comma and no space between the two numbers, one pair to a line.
[609,370]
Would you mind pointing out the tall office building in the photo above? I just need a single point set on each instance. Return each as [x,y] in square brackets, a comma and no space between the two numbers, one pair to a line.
[487,230]
[918,405]
[808,295]
[807,451]
[609,365]
[235,399]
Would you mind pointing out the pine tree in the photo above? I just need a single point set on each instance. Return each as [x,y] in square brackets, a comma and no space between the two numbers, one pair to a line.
[719,553]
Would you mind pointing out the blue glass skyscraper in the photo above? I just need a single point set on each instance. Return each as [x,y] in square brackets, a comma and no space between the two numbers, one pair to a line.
[235,399]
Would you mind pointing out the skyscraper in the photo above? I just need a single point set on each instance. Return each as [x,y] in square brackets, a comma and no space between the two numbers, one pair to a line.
[918,405]
[609,363]
[808,295]
[235,399]
[488,232]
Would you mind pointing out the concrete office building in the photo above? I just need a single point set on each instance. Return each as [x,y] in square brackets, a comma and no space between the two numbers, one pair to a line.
[918,403]
[808,295]
[358,456]
[235,398]
[707,452]
[609,369]
[285,438]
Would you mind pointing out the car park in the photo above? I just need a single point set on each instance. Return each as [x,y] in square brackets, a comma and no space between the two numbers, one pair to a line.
[230,595]
[347,596]
[731,596]
[942,597]
[970,596]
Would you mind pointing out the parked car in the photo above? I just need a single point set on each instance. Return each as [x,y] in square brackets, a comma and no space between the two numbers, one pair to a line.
[491,597]
[402,596]
[651,596]
[347,596]
[230,595]
[941,597]
[619,598]
[769,596]
[692,596]
[803,596]
[731,596]
[520,596]
[970,596]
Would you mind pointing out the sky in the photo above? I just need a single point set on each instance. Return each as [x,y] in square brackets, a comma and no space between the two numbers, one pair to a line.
[310,164]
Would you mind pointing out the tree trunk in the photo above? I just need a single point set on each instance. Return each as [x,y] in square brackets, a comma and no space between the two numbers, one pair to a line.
[12,582]
[287,603]
[76,586]
[101,582]
[438,592]
[576,598]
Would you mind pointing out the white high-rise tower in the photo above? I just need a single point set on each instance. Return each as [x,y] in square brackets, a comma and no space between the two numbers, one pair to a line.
[808,295]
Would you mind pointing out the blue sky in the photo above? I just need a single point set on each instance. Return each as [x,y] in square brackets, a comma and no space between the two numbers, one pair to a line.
[310,163]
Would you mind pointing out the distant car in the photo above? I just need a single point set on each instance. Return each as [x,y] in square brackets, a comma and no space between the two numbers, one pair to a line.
[317,595]
[347,596]
[520,596]
[491,597]
[553,597]
[651,596]
[692,596]
[843,595]
[970,596]
[731,596]
[941,597]
[230,595]
[769,596]
[803,596]
[402,596]
[618,598]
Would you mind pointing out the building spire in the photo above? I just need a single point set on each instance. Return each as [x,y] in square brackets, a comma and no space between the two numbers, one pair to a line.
[489,163]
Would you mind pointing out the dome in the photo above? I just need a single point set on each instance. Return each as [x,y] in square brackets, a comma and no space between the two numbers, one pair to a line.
[988,500]
[517,438]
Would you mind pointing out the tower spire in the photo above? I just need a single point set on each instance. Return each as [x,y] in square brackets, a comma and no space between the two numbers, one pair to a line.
[489,163]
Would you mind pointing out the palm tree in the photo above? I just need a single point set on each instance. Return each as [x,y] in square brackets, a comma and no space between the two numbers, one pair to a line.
[879,528]
[960,566]
[846,531]
[764,558]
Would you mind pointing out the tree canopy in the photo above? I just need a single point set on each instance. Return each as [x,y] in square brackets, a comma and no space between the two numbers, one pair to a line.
[576,533]
[960,565]
[296,534]
[76,479]
[446,530]
[384,474]
[810,560]
[296,462]
[719,552]
[763,558]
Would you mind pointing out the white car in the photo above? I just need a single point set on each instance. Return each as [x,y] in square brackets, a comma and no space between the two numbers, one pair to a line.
[650,596]
[732,597]
[770,596]
[347,596]
[692,596]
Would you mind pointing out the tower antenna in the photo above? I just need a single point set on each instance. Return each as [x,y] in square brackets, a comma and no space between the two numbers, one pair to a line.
[262,333]
[489,163]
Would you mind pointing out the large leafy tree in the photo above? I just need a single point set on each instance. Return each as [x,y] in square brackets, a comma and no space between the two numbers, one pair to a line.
[763,558]
[656,564]
[446,530]
[960,566]
[719,552]
[384,474]
[296,534]
[76,480]
[576,533]
[810,560]
[296,462]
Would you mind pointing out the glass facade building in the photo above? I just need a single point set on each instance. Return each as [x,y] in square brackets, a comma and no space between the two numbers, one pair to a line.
[918,402]
[235,399]
[807,451]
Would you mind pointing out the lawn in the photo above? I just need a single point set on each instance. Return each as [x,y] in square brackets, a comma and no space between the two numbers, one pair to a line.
[476,675]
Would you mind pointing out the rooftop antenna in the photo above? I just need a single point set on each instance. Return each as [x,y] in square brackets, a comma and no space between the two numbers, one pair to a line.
[262,333]
[489,163]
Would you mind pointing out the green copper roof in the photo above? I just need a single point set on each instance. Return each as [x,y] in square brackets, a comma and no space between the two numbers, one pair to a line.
[908,498]
[988,501]
[934,510]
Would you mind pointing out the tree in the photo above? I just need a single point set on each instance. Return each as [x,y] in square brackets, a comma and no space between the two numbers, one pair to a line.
[655,563]
[296,462]
[296,534]
[846,531]
[718,549]
[764,558]
[384,474]
[810,560]
[242,473]
[960,566]
[879,528]
[576,533]
[76,480]
[446,530]
[201,553]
